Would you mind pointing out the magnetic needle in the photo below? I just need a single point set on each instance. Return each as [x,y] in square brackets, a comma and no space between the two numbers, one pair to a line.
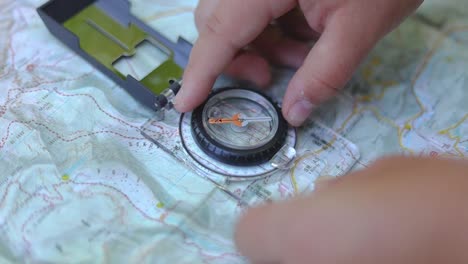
[239,127]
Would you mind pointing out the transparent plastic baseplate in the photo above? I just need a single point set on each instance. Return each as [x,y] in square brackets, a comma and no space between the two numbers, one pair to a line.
[320,152]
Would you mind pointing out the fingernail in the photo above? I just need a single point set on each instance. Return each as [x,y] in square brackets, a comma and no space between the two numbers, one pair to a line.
[299,112]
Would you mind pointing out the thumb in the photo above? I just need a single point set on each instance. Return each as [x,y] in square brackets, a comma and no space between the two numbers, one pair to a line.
[329,65]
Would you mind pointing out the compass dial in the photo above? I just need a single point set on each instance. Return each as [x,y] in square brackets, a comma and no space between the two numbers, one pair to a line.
[257,117]
[239,127]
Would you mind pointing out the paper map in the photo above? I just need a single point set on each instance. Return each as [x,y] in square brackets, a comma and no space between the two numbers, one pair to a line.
[80,184]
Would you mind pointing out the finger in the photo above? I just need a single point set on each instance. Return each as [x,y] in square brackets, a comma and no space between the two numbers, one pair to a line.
[364,217]
[281,49]
[293,231]
[273,42]
[324,182]
[252,67]
[247,66]
[329,65]
[295,25]
[232,26]
[203,11]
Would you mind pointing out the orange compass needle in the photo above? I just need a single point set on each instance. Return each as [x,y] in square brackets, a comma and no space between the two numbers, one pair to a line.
[235,119]
[238,120]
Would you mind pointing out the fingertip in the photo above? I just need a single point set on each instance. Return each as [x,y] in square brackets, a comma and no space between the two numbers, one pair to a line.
[306,92]
[298,102]
[327,68]
[190,96]
[299,112]
[207,60]
[180,106]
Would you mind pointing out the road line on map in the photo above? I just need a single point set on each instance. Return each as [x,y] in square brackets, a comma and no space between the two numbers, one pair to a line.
[456,138]
[444,35]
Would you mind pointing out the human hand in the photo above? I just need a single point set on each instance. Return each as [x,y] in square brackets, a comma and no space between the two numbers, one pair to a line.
[398,211]
[237,37]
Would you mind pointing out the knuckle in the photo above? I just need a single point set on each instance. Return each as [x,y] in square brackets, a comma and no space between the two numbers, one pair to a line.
[214,24]
[218,27]
[318,89]
[203,11]
[199,19]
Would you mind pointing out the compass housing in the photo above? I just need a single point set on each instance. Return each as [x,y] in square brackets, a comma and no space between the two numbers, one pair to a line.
[229,151]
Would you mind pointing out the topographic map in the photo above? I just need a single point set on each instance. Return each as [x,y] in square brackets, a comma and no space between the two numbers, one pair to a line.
[80,184]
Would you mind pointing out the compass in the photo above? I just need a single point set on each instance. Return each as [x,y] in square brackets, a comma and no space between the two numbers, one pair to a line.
[237,127]
[239,133]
